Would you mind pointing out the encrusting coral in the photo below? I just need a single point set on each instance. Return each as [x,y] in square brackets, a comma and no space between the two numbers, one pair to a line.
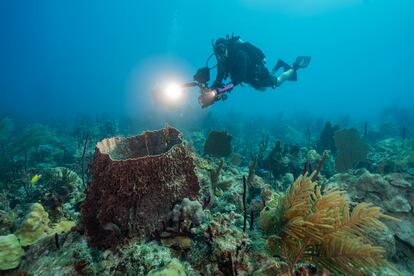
[173,268]
[34,226]
[321,228]
[10,252]
[63,226]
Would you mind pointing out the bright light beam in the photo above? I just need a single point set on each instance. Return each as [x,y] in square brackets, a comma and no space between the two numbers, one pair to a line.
[173,92]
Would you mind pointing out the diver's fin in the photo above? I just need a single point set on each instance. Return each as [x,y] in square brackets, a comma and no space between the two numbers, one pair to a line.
[281,64]
[301,62]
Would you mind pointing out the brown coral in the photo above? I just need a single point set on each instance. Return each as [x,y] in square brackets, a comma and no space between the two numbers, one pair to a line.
[135,183]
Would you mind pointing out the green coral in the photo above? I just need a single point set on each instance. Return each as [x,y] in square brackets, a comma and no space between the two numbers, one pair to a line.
[34,226]
[174,268]
[10,252]
[270,216]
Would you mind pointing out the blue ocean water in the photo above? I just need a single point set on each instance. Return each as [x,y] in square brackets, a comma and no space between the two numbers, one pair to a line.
[65,58]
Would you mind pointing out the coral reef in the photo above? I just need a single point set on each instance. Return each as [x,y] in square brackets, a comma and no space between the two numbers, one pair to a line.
[218,144]
[188,214]
[63,226]
[10,252]
[389,156]
[34,225]
[227,244]
[136,258]
[60,191]
[392,192]
[173,268]
[72,257]
[283,160]
[154,206]
[135,183]
[8,215]
[352,149]
[326,140]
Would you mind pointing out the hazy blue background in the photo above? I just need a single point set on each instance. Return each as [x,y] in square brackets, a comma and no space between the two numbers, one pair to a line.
[69,57]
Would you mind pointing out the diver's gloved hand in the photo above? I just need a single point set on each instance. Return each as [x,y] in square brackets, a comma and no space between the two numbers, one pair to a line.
[209,98]
[222,97]
[217,84]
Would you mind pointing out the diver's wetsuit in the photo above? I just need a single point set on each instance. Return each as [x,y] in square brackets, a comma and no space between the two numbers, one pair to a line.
[244,63]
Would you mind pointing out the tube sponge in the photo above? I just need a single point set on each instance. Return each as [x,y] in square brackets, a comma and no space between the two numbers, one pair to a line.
[10,252]
[34,225]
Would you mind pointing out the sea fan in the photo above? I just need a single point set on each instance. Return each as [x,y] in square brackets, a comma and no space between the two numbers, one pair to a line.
[320,228]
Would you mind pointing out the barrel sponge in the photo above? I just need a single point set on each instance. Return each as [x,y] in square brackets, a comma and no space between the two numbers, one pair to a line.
[34,225]
[136,181]
[10,252]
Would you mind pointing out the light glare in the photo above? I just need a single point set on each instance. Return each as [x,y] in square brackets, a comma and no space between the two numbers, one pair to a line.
[173,91]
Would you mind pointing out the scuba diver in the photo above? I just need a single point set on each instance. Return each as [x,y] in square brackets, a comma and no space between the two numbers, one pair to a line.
[243,62]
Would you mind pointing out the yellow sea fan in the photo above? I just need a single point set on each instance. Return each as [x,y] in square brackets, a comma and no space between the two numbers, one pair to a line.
[321,228]
[350,256]
[298,199]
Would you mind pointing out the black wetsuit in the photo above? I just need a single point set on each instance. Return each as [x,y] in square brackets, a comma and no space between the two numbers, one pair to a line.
[244,64]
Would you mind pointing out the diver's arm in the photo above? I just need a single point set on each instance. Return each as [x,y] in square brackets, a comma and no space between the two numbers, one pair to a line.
[237,77]
[220,76]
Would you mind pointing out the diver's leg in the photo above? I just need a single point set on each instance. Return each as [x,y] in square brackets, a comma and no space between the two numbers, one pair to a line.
[288,75]
[281,64]
[289,71]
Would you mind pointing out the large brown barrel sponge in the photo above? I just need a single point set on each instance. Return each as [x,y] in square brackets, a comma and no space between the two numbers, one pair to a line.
[136,181]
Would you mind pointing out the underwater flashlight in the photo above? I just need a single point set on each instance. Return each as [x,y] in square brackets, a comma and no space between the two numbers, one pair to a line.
[173,91]
[207,98]
[169,94]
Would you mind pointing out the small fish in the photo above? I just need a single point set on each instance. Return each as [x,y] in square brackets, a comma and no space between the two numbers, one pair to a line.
[36,178]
